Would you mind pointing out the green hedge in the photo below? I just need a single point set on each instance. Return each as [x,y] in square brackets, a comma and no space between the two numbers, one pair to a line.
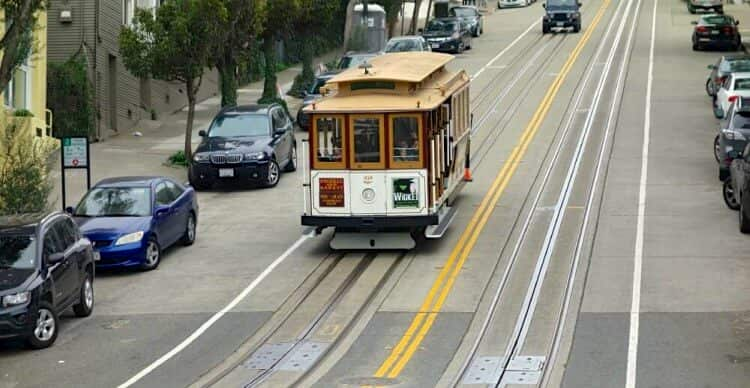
[70,97]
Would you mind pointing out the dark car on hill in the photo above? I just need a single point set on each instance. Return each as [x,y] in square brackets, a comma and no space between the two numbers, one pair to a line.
[471,16]
[46,267]
[561,14]
[245,144]
[447,35]
[132,220]
[718,31]
[725,66]
[312,95]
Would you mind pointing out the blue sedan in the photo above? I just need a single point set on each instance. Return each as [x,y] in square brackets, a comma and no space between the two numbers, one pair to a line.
[131,220]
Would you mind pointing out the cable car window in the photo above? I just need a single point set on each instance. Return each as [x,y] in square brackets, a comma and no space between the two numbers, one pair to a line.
[329,134]
[406,141]
[367,141]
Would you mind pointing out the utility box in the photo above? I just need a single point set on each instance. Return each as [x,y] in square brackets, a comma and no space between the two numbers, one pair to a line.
[374,26]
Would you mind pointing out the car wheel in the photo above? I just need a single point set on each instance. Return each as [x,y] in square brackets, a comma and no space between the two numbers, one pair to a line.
[153,255]
[291,165]
[191,227]
[272,178]
[545,28]
[717,149]
[709,90]
[45,330]
[85,298]
[577,28]
[739,46]
[730,195]
[744,221]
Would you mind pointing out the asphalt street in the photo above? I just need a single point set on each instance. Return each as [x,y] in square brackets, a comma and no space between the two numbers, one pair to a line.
[540,262]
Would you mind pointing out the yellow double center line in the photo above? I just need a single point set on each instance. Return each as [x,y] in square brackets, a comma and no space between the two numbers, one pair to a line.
[433,303]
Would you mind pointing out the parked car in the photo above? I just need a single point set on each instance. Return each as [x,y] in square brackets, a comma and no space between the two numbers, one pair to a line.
[513,3]
[46,267]
[312,95]
[726,65]
[561,14]
[132,220]
[733,134]
[402,44]
[716,31]
[354,59]
[736,190]
[736,85]
[471,16]
[715,5]
[245,144]
[448,35]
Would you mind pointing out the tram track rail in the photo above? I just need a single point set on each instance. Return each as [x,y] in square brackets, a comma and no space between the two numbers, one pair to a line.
[515,343]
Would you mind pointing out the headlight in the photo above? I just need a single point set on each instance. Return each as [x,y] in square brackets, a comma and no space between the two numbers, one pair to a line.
[16,299]
[455,35]
[731,134]
[255,156]
[201,157]
[576,15]
[130,238]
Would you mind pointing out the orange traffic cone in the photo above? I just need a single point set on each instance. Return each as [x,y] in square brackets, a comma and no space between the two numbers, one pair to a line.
[467,175]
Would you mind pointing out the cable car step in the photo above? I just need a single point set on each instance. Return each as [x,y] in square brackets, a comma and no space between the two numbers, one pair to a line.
[445,218]
[375,240]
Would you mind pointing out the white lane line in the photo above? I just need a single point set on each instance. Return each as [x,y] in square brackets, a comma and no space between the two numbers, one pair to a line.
[210,322]
[635,307]
[505,50]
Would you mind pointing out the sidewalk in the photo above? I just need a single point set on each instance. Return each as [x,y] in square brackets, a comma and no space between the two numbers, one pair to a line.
[128,154]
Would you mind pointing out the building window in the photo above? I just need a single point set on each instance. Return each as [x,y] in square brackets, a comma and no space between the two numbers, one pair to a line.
[18,93]
[129,7]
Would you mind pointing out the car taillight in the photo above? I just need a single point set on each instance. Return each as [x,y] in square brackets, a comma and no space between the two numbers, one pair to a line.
[732,98]
[728,30]
[701,29]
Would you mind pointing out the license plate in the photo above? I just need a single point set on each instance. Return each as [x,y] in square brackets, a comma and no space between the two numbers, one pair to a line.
[97,256]
[226,172]
[560,24]
[714,32]
[435,45]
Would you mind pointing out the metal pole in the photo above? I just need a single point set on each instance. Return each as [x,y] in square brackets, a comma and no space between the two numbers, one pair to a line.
[88,165]
[62,173]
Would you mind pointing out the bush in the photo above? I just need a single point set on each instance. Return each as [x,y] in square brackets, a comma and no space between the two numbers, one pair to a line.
[24,187]
[23,113]
[69,96]
[178,159]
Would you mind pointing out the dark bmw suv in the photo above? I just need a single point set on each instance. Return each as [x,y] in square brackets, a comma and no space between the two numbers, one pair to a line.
[248,143]
[46,266]
[561,14]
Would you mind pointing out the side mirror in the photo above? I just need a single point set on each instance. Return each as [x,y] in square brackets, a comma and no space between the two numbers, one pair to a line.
[279,131]
[160,210]
[736,22]
[695,23]
[69,210]
[420,31]
[202,133]
[579,4]
[55,258]
[711,67]
[544,5]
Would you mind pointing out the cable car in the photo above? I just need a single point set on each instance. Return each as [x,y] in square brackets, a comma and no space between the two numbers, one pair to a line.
[388,151]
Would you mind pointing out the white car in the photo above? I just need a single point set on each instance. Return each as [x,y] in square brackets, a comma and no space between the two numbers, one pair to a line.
[735,85]
[513,3]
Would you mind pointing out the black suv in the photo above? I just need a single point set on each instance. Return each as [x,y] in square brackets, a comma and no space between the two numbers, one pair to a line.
[561,14]
[248,143]
[46,266]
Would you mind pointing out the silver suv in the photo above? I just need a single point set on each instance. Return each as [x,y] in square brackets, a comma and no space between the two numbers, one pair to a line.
[694,5]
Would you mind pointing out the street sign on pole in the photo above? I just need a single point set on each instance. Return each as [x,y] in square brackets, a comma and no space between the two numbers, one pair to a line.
[75,155]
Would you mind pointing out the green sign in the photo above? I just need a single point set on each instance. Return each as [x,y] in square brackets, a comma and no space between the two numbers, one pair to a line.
[405,193]
[75,152]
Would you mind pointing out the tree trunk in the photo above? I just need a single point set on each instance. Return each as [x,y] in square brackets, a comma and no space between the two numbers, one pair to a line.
[269,53]
[228,79]
[349,22]
[13,39]
[429,11]
[191,90]
[414,25]
[308,73]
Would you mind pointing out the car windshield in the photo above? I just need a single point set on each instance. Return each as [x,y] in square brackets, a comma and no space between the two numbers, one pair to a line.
[463,12]
[116,202]
[353,61]
[438,26]
[741,121]
[230,125]
[742,84]
[17,252]
[562,4]
[403,45]
[315,88]
[718,20]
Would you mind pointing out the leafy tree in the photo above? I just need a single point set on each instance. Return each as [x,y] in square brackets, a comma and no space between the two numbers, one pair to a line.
[24,187]
[239,31]
[175,44]
[279,18]
[69,96]
[313,17]
[16,41]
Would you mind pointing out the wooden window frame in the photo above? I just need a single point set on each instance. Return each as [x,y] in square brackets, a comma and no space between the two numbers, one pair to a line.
[381,136]
[420,139]
[317,164]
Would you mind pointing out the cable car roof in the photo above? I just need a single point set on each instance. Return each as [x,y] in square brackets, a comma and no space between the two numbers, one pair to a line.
[398,67]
